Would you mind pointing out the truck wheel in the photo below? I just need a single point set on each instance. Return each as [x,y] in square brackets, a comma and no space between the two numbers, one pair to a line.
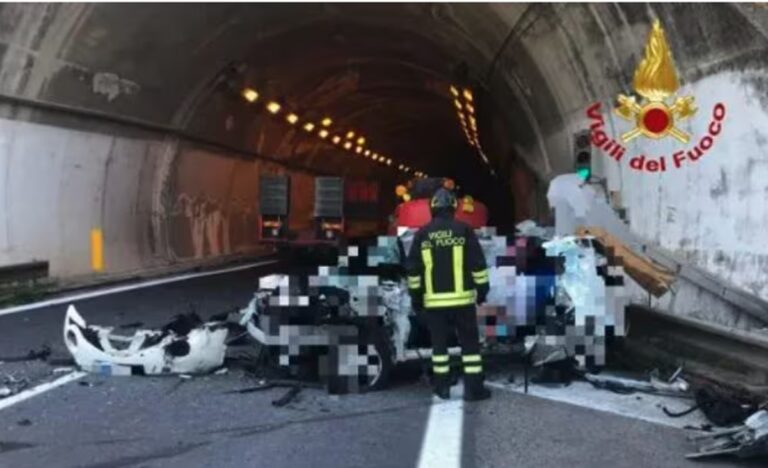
[380,357]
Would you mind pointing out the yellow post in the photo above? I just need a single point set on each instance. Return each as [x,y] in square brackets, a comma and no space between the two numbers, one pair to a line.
[97,250]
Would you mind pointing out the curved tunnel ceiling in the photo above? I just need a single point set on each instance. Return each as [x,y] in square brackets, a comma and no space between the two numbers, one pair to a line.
[383,70]
[380,70]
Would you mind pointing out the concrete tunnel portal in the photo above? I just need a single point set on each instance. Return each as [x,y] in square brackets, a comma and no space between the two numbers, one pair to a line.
[132,119]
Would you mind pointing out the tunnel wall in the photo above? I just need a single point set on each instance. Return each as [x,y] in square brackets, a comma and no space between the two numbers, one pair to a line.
[157,202]
[712,212]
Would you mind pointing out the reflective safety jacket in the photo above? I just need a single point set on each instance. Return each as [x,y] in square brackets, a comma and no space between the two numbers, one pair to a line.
[446,264]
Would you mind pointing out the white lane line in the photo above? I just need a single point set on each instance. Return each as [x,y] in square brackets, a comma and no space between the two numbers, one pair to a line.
[42,388]
[441,446]
[129,287]
[642,406]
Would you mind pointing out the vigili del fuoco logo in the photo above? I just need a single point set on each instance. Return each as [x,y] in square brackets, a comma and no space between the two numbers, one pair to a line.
[656,114]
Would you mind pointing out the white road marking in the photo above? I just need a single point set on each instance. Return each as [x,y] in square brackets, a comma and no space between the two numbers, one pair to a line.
[128,287]
[42,388]
[441,445]
[646,408]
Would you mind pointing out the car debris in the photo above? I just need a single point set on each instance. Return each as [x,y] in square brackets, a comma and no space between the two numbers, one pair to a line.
[718,407]
[675,386]
[276,383]
[748,440]
[41,354]
[289,396]
[357,316]
[294,388]
[85,383]
[10,386]
[184,346]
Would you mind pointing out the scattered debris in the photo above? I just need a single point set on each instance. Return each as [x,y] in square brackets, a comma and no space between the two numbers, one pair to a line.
[10,386]
[41,354]
[269,384]
[62,370]
[681,413]
[719,408]
[221,371]
[289,396]
[294,388]
[184,346]
[24,422]
[86,383]
[745,441]
[676,386]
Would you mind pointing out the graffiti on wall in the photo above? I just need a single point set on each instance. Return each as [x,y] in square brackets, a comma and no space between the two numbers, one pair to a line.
[204,225]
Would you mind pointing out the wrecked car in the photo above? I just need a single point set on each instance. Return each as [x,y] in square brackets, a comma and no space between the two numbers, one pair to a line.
[184,346]
[354,320]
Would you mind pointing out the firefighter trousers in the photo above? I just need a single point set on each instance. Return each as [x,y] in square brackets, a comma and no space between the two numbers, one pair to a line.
[442,323]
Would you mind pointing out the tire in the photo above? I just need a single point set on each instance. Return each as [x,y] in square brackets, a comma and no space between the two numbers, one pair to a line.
[375,337]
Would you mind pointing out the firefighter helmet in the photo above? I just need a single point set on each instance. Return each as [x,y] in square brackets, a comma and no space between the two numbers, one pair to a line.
[443,199]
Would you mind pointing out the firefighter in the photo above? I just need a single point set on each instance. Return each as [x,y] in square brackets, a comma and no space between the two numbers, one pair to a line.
[447,276]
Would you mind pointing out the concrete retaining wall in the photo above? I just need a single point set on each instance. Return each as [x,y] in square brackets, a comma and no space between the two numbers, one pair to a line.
[157,202]
[711,213]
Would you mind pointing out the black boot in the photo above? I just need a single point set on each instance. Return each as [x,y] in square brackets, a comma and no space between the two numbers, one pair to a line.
[474,389]
[441,386]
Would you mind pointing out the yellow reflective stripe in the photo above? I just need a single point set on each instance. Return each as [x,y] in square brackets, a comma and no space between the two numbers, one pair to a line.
[447,303]
[458,267]
[414,282]
[481,281]
[450,295]
[480,274]
[440,358]
[426,257]
[441,369]
[473,369]
[471,358]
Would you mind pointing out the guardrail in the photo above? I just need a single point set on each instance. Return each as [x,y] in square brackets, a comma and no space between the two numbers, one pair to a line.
[23,272]
[712,354]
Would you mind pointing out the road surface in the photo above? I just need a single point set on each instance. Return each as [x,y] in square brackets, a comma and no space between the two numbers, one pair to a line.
[172,422]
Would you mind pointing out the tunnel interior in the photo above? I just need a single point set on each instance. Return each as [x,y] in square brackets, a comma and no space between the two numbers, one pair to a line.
[132,119]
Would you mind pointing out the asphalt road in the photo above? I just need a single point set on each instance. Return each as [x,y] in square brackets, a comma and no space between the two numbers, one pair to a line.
[170,422]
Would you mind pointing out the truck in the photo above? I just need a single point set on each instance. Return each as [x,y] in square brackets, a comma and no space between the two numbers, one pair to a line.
[338,208]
